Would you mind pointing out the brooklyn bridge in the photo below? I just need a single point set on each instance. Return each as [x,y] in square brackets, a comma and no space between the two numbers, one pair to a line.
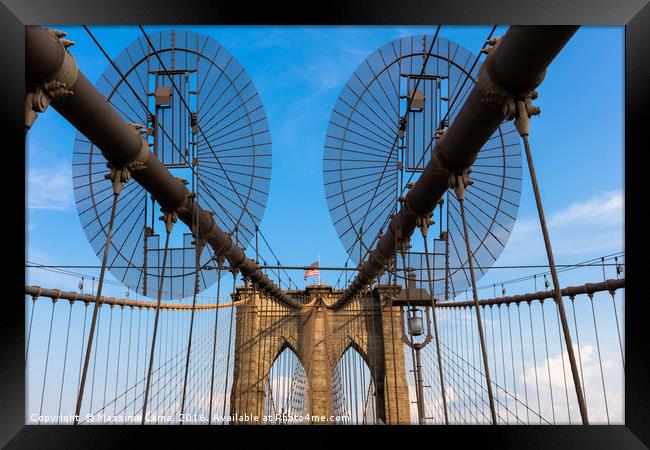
[423,170]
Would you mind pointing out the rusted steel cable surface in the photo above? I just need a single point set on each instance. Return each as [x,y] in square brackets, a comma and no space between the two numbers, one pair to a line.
[90,113]
[513,68]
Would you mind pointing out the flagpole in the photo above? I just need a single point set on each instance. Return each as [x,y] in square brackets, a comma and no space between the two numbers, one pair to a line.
[319,269]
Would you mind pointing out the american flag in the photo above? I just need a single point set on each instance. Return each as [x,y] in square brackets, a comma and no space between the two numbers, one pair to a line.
[312,270]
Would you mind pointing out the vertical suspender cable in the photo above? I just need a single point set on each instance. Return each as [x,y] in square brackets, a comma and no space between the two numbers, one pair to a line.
[575,323]
[566,389]
[503,365]
[137,356]
[512,362]
[65,361]
[168,228]
[214,344]
[232,313]
[108,355]
[460,187]
[548,365]
[532,340]
[47,357]
[612,294]
[522,122]
[29,333]
[600,361]
[119,354]
[414,360]
[117,175]
[618,330]
[523,365]
[128,359]
[435,329]
[198,247]
[494,358]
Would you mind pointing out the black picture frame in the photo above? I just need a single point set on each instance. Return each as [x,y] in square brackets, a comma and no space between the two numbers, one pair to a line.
[633,14]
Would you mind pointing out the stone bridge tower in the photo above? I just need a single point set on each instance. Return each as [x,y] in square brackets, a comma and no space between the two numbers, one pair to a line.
[319,336]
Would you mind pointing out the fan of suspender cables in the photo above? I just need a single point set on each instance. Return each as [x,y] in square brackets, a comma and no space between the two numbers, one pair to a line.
[203,117]
[382,131]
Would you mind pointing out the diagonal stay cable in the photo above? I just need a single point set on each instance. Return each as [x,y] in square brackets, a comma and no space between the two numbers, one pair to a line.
[198,127]
[160,126]
[185,158]
[467,75]
[162,64]
[408,109]
[135,94]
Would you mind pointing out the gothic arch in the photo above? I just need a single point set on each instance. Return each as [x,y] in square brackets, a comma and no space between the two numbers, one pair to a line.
[286,387]
[354,389]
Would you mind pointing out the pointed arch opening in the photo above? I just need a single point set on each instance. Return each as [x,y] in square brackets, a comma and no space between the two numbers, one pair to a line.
[354,389]
[286,389]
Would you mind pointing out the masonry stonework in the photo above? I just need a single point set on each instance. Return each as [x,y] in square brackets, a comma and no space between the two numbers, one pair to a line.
[319,336]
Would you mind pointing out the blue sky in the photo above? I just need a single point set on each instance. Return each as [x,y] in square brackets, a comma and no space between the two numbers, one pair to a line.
[577,142]
[299,72]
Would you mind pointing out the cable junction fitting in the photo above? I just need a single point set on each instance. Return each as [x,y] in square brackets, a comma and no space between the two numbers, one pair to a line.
[403,245]
[220,260]
[118,176]
[139,128]
[423,222]
[59,87]
[459,182]
[491,93]
[390,263]
[490,45]
[199,243]
[523,111]
[170,218]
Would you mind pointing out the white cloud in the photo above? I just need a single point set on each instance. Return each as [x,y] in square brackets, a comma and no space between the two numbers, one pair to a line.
[50,187]
[606,208]
[363,52]
[461,403]
[583,229]
[612,373]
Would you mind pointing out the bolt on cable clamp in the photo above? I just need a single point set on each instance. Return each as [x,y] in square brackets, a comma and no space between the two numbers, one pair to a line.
[440,133]
[183,181]
[170,218]
[523,111]
[118,176]
[403,245]
[490,45]
[459,181]
[60,35]
[38,100]
[423,222]
[139,128]
[520,108]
